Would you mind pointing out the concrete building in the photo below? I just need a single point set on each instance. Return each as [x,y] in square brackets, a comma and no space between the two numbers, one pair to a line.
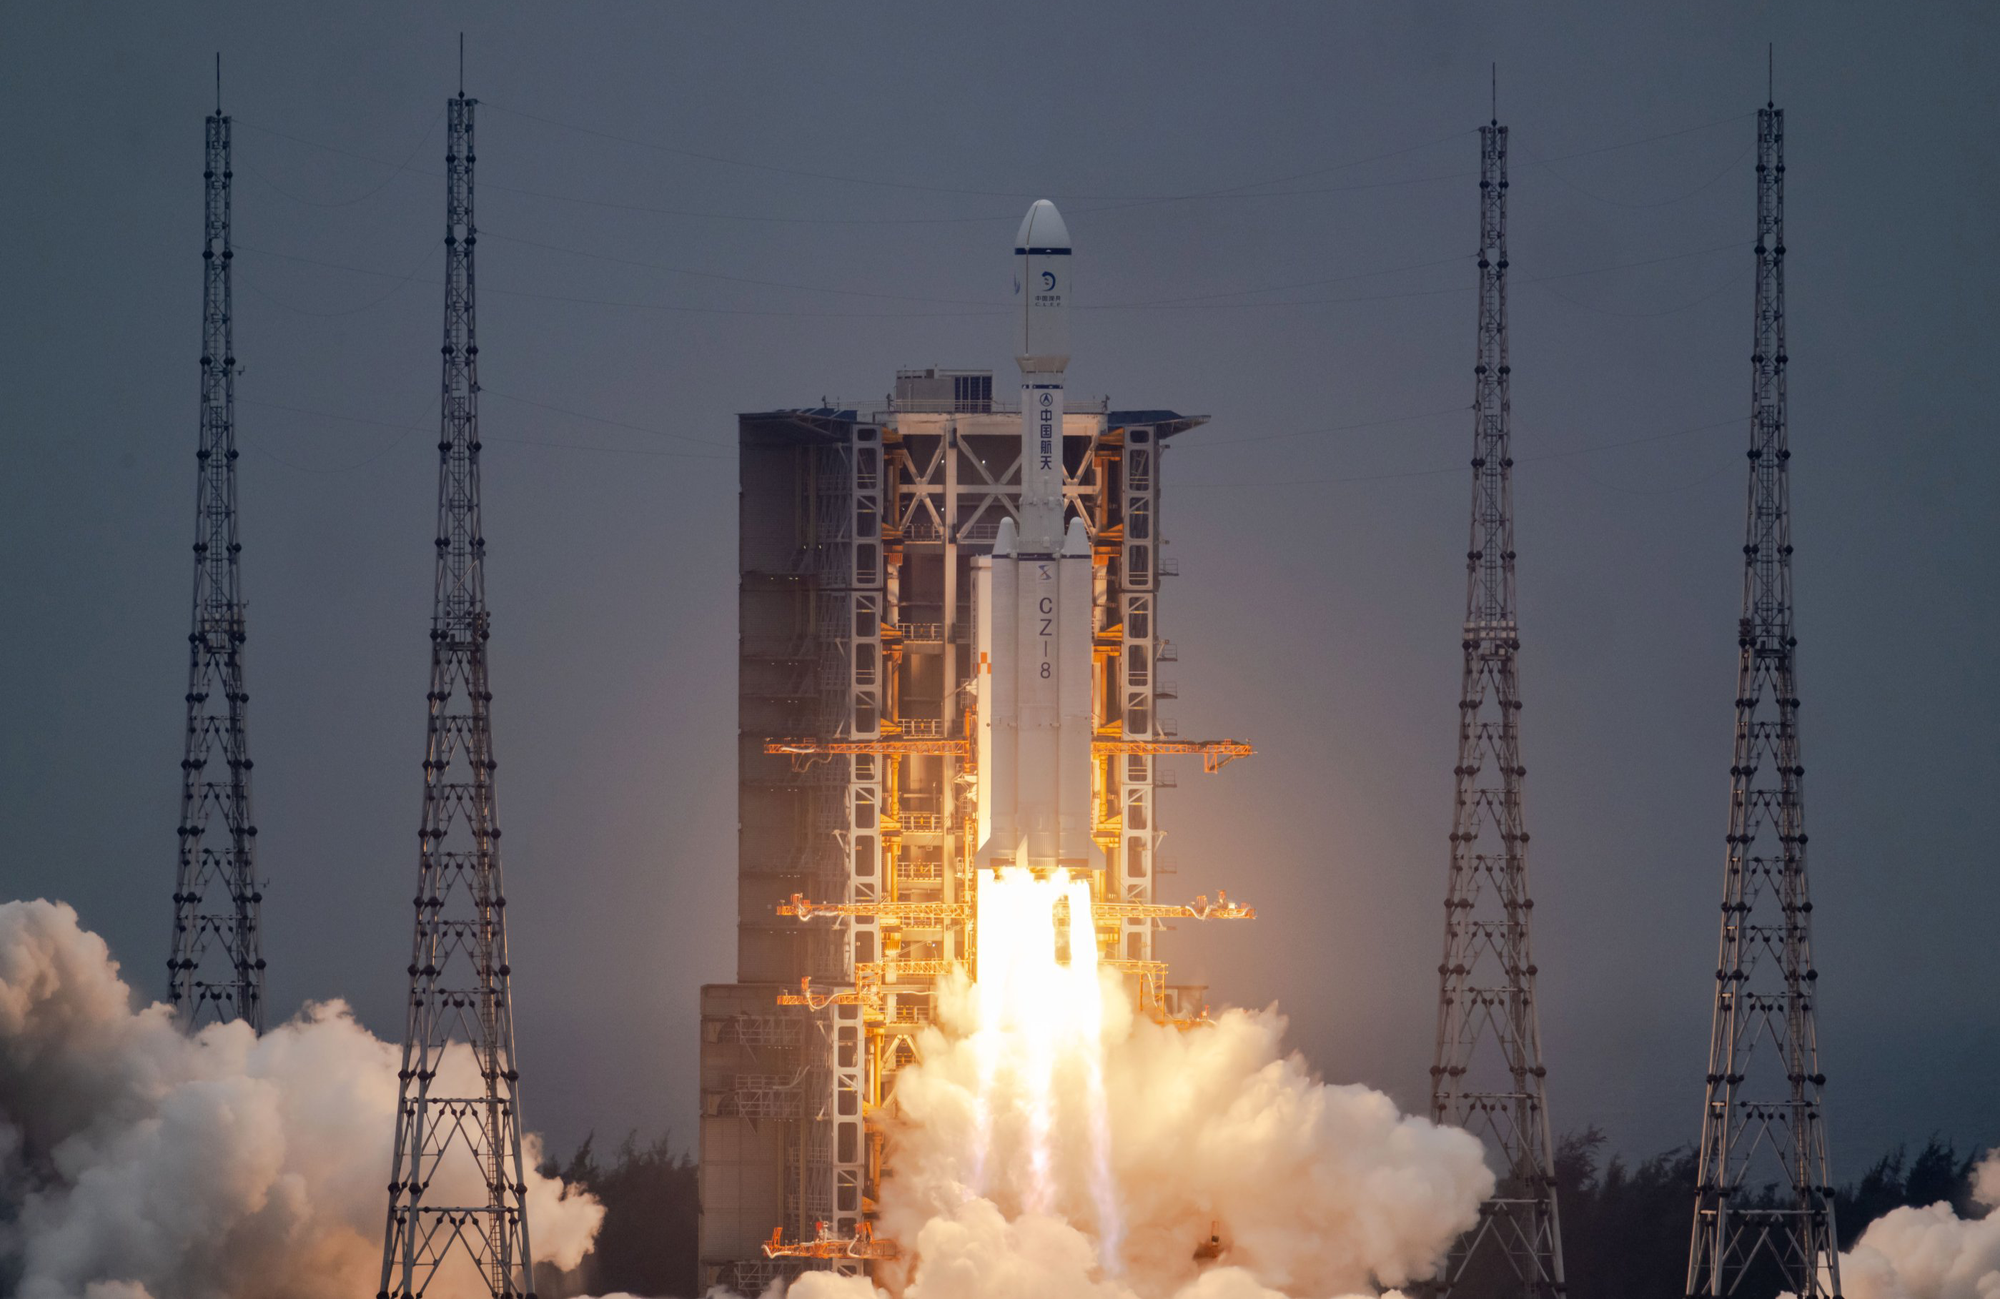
[857,528]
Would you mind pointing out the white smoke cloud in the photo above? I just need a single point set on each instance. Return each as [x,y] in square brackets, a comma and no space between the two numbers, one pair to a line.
[1931,1252]
[1311,1190]
[137,1163]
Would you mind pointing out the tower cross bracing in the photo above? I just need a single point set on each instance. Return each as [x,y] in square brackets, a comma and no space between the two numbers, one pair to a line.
[1487,1074]
[1764,1198]
[216,969]
[458,1119]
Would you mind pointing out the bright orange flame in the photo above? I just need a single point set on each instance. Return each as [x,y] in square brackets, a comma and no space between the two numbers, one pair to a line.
[1039,1040]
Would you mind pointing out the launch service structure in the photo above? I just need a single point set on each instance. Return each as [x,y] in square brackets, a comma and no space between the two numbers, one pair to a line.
[951,661]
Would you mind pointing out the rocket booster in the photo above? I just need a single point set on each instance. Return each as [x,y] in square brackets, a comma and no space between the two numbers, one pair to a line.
[1034,616]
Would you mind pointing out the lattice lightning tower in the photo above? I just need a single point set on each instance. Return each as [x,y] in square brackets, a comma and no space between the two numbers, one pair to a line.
[1762,1123]
[457,1192]
[1487,1075]
[216,971]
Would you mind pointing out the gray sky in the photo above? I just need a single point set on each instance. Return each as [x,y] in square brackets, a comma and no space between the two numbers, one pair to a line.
[692,211]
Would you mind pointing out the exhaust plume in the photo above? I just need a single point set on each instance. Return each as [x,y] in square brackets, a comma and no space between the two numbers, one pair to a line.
[139,1163]
[1237,1174]
[1931,1253]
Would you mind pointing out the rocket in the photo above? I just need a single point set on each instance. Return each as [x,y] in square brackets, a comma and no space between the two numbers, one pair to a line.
[1033,613]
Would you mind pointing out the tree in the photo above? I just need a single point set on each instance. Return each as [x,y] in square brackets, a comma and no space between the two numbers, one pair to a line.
[647,1245]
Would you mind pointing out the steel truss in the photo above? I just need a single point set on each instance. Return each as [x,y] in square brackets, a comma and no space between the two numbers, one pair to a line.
[864,650]
[216,970]
[1214,754]
[470,1136]
[1487,1075]
[1762,1124]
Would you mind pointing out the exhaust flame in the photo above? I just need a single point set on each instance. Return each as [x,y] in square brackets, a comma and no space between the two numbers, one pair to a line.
[1039,1041]
[1051,1141]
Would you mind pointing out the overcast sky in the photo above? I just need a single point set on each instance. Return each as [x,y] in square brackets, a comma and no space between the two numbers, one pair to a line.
[687,212]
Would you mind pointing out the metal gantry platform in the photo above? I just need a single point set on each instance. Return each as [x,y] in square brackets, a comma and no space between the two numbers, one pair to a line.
[859,523]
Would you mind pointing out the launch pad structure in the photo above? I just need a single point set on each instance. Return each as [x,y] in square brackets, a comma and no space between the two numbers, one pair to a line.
[859,528]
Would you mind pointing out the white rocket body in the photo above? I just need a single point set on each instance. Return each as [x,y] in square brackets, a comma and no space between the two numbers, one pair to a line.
[1034,616]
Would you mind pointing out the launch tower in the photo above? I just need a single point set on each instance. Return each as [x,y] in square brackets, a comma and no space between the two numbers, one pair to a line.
[859,527]
[870,691]
[216,971]
[457,1189]
[1487,1074]
[1762,1123]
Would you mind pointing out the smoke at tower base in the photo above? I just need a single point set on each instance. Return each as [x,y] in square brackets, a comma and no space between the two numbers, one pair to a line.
[137,1163]
[1931,1252]
[1236,1173]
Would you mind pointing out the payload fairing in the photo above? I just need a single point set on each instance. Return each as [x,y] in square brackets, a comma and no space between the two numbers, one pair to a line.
[1034,604]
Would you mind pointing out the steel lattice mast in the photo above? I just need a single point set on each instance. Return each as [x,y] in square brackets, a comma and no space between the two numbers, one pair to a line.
[1762,1125]
[457,1191]
[1487,1075]
[216,971]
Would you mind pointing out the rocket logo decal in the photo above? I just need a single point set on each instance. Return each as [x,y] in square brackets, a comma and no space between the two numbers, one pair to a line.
[1048,281]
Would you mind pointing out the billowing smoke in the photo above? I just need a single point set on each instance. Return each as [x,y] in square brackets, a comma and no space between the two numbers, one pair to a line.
[137,1163]
[1931,1252]
[1236,1173]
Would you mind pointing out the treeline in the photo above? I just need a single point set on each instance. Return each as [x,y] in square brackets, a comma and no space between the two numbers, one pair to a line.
[647,1245]
[1625,1225]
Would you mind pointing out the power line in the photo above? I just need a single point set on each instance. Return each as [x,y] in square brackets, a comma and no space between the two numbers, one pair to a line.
[1595,449]
[1735,277]
[1728,169]
[1238,190]
[399,169]
[650,306]
[1281,288]
[732,279]
[878,183]
[1733,244]
[1183,445]
[406,429]
[1111,203]
[364,462]
[402,282]
[1198,303]
[615,423]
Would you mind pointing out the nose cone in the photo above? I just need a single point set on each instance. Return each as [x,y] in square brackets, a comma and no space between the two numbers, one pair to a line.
[1042,229]
[1041,279]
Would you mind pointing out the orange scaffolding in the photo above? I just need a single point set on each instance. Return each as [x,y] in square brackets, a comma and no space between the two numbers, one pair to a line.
[1214,754]
[937,915]
[825,1244]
